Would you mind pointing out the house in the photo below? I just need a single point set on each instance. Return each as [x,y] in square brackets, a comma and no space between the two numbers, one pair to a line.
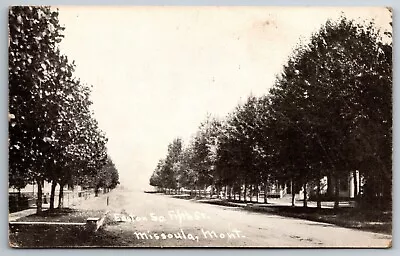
[27,196]
[327,188]
[346,187]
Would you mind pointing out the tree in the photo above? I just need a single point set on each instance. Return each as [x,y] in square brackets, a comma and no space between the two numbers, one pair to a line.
[204,152]
[168,173]
[328,114]
[34,33]
[54,136]
[227,164]
[326,93]
[189,177]
[156,178]
[106,178]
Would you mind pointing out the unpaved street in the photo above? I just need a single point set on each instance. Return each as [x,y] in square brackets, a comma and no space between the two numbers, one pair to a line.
[161,221]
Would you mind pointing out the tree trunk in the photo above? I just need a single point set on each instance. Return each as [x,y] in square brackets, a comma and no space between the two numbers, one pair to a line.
[318,194]
[331,188]
[240,194]
[61,196]
[265,193]
[355,184]
[245,193]
[337,187]
[257,195]
[305,195]
[226,192]
[251,193]
[52,194]
[39,195]
[293,194]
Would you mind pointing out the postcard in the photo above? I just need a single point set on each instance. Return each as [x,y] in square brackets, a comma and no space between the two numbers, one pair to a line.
[200,126]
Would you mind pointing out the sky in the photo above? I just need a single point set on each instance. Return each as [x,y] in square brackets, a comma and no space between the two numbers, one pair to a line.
[158,71]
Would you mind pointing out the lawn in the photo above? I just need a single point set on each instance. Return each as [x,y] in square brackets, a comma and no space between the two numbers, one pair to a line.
[362,219]
[373,220]
[49,236]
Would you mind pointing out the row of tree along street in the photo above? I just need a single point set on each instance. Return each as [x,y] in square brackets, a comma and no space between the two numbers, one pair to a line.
[52,133]
[329,114]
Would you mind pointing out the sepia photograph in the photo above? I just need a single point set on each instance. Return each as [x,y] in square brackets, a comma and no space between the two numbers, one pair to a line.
[200,126]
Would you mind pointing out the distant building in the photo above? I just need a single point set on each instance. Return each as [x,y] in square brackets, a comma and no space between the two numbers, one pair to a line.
[31,189]
[327,188]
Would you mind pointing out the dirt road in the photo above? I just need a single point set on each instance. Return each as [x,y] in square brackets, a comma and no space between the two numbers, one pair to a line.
[144,220]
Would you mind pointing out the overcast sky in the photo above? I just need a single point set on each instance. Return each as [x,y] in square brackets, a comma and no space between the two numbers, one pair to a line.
[157,71]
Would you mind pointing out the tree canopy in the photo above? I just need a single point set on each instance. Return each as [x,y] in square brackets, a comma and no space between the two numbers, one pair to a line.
[54,135]
[329,113]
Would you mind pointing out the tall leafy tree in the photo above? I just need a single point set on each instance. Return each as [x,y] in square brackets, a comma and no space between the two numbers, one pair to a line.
[54,136]
[34,33]
[331,90]
[204,148]
[169,168]
[328,114]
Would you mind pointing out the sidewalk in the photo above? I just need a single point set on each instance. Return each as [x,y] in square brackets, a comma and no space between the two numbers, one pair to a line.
[69,201]
[375,220]
[285,201]
[312,204]
[16,215]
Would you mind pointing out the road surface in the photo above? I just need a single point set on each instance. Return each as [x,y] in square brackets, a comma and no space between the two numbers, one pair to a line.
[157,220]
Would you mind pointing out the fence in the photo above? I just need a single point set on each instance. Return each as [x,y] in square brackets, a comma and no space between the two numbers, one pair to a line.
[19,201]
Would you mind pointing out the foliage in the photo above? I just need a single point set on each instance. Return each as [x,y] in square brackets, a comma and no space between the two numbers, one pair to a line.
[328,114]
[54,136]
